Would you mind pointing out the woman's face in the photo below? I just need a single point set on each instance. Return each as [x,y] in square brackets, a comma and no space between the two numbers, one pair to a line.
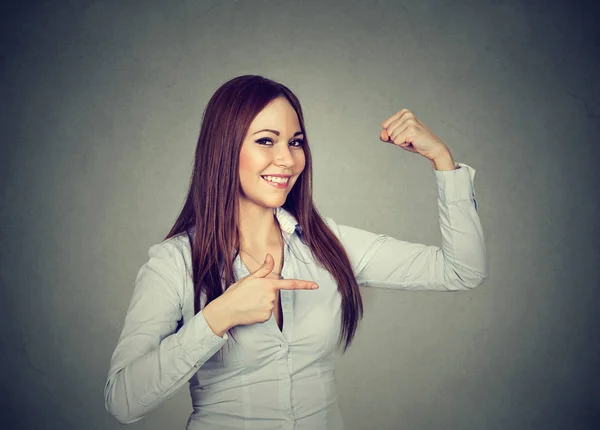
[272,146]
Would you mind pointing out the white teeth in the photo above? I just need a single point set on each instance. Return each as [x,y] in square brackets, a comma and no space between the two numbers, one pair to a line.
[276,179]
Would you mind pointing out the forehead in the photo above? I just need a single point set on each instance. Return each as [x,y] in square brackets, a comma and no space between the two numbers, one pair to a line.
[277,114]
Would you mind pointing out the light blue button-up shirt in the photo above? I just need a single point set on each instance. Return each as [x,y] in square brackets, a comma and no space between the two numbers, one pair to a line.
[272,379]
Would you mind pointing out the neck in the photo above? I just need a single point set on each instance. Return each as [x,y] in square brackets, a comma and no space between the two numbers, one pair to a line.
[258,227]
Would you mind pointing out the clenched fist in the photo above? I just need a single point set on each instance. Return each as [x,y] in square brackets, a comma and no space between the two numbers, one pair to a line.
[405,130]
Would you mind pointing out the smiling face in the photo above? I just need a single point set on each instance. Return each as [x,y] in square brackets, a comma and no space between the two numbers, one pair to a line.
[272,146]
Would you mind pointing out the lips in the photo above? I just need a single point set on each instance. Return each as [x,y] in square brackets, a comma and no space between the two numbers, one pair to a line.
[276,184]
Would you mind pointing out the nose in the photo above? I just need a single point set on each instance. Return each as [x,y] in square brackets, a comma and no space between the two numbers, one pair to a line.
[284,157]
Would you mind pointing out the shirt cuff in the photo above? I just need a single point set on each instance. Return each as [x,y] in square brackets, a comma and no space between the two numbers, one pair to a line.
[456,185]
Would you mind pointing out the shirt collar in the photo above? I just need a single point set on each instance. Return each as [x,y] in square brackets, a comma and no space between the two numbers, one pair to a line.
[286,220]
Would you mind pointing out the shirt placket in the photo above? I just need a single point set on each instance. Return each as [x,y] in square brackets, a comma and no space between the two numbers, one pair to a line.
[285,356]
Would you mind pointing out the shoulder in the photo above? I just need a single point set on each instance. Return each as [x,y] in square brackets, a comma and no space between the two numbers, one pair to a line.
[170,260]
[330,222]
[174,248]
[178,245]
[332,225]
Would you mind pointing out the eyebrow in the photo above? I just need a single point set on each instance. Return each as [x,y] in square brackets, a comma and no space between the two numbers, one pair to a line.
[275,132]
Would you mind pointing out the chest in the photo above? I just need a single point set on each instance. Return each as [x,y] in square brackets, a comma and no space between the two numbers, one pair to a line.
[305,323]
[251,264]
[305,329]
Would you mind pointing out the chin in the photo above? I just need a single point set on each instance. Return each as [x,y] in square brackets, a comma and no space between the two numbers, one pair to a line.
[274,205]
[271,203]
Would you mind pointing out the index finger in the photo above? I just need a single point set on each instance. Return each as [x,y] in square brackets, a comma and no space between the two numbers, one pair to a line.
[295,284]
[394,117]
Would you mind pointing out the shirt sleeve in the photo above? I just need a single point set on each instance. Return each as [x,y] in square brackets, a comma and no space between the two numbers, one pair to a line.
[379,260]
[153,359]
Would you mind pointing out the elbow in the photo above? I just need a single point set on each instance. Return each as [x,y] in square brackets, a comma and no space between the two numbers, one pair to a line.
[122,419]
[477,282]
[465,282]
[118,406]
[120,412]
[480,277]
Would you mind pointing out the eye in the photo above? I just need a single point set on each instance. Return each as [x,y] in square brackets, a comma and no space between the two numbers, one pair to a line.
[264,141]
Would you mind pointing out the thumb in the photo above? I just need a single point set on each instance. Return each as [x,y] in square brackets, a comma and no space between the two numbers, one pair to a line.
[266,267]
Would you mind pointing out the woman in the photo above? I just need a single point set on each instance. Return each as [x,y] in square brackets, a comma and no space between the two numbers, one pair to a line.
[228,300]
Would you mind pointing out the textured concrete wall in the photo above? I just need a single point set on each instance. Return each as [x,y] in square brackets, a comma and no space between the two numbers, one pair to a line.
[101,106]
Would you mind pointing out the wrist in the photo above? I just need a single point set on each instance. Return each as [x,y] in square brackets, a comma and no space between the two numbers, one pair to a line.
[217,317]
[443,162]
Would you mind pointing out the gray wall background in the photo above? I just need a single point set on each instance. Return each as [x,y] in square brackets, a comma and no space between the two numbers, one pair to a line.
[100,112]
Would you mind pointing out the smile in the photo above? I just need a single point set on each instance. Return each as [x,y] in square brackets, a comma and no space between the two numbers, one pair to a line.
[276,182]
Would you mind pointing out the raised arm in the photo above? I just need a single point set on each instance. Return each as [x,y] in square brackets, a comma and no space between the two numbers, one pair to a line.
[382,261]
[152,359]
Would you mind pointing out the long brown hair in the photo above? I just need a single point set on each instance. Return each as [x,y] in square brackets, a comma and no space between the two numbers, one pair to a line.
[208,216]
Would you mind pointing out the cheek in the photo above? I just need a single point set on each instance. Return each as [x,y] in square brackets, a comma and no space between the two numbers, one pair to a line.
[251,162]
[245,162]
[301,162]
